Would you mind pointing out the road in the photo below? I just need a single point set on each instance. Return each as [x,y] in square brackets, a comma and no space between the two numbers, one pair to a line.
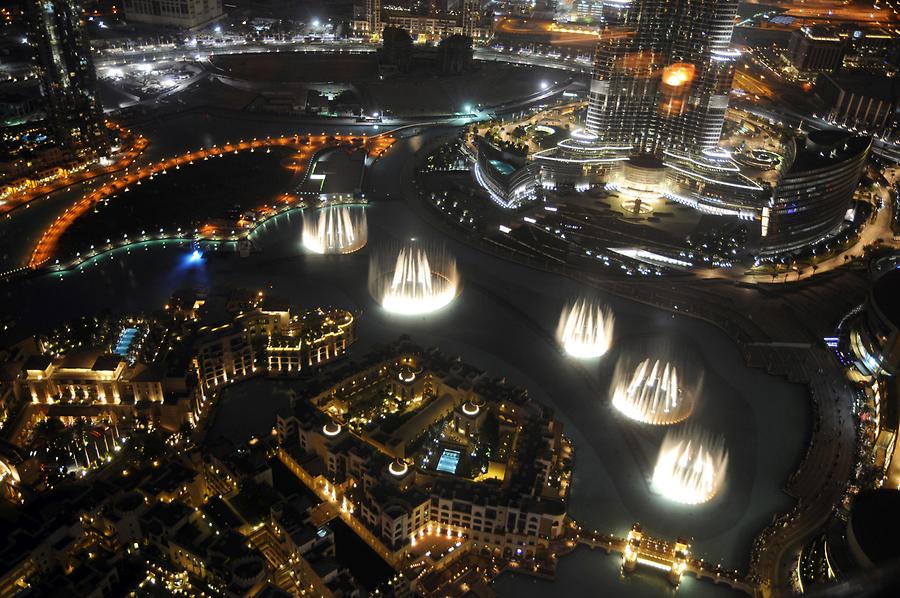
[745,80]
[110,58]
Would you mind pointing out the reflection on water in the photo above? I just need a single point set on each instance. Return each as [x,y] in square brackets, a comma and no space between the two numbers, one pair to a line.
[594,573]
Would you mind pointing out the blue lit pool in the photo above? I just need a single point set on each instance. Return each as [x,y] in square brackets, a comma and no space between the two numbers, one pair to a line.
[448,461]
[502,167]
[125,340]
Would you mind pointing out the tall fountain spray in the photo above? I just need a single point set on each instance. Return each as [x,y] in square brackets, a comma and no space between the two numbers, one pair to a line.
[690,468]
[653,394]
[338,229]
[585,329]
[416,280]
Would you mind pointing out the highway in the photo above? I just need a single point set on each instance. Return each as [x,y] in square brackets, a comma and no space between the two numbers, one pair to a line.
[116,57]
[753,85]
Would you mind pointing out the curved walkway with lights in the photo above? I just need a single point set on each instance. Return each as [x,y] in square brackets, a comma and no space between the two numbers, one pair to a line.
[307,146]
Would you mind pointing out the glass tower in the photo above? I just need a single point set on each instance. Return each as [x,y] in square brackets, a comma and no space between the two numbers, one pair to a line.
[67,73]
[661,80]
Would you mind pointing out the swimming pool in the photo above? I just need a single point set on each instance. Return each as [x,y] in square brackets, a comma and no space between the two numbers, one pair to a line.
[502,167]
[448,461]
[125,340]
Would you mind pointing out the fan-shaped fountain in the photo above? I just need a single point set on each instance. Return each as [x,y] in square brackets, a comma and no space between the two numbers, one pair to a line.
[585,329]
[652,393]
[417,279]
[337,229]
[690,468]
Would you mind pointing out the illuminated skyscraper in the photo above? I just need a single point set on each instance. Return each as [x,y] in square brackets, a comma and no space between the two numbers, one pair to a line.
[68,78]
[373,16]
[663,85]
[470,16]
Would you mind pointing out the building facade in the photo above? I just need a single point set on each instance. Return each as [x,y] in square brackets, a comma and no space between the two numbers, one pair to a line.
[372,16]
[297,346]
[188,14]
[663,86]
[224,354]
[861,101]
[814,190]
[272,340]
[874,336]
[382,474]
[434,25]
[873,50]
[815,50]
[89,377]
[470,17]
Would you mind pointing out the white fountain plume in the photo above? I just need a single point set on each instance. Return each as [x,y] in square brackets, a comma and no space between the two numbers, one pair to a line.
[337,229]
[416,280]
[585,329]
[691,466]
[654,394]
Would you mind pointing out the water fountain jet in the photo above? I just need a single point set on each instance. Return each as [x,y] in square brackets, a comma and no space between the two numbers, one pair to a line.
[585,329]
[336,230]
[416,280]
[652,394]
[690,468]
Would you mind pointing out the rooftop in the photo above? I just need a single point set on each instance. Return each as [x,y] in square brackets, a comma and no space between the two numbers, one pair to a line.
[865,83]
[825,148]
[885,292]
[875,525]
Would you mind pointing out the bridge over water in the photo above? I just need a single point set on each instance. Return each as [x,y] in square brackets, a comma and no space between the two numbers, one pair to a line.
[640,550]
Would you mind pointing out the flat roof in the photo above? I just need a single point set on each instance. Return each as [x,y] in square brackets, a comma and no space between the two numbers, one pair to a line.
[886,296]
[873,518]
[866,84]
[107,363]
[821,149]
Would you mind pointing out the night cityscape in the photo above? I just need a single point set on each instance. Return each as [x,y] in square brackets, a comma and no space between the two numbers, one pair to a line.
[449,298]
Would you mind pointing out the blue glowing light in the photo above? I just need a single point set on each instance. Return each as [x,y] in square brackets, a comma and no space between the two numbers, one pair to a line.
[195,256]
[448,461]
[123,344]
